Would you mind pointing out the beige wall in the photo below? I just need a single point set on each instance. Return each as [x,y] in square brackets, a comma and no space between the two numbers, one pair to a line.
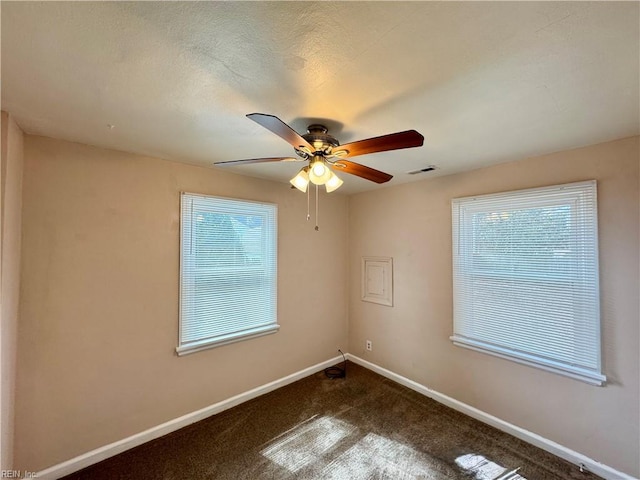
[99,299]
[11,201]
[99,305]
[412,224]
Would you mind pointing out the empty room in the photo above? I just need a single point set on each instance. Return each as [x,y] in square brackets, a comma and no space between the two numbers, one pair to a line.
[320,240]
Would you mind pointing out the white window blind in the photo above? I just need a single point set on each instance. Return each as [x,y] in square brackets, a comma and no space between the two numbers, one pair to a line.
[525,278]
[228,277]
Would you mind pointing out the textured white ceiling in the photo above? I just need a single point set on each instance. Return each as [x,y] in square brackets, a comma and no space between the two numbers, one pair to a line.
[484,82]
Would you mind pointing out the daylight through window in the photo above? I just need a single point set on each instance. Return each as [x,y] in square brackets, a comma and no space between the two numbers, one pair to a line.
[525,270]
[228,275]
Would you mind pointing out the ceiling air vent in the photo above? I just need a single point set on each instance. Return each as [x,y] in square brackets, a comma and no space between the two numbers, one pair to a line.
[422,170]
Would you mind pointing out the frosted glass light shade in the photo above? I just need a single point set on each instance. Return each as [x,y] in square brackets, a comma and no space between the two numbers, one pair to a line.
[319,173]
[333,183]
[301,180]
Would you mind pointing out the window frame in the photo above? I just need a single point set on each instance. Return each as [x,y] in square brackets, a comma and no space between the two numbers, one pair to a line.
[188,271]
[469,332]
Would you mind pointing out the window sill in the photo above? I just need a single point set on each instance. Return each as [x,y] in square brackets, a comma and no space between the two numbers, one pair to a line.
[587,376]
[198,346]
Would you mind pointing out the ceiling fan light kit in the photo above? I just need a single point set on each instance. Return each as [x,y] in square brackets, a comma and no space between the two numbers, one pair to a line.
[325,154]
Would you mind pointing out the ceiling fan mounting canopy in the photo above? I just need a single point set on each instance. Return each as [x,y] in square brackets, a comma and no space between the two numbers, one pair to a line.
[317,142]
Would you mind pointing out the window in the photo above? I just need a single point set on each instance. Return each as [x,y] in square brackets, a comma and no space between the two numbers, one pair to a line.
[525,278]
[227,271]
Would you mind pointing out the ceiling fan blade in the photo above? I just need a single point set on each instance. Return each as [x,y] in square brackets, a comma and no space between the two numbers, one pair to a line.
[232,163]
[284,131]
[361,171]
[393,141]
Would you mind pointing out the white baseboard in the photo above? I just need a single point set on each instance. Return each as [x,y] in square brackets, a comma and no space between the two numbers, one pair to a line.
[102,453]
[550,446]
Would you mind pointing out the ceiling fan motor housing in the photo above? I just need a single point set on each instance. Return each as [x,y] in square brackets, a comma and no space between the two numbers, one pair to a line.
[318,137]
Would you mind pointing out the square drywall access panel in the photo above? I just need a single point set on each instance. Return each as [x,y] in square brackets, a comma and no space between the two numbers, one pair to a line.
[377,280]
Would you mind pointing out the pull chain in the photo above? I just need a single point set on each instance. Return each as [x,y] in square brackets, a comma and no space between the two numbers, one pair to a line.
[308,210]
[317,208]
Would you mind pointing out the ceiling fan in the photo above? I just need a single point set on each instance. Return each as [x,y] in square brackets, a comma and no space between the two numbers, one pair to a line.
[325,154]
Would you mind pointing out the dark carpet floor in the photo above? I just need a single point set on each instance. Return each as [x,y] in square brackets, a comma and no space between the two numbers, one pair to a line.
[361,427]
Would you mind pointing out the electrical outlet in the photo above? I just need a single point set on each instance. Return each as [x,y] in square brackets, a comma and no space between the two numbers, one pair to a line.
[369,345]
